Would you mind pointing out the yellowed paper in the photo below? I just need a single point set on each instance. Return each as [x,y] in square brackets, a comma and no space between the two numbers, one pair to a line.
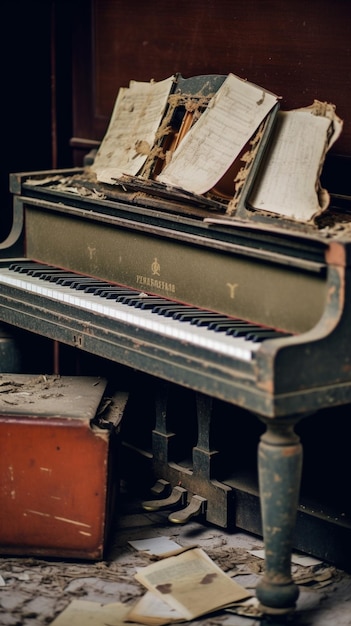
[132,130]
[215,141]
[83,612]
[191,583]
[159,546]
[289,182]
[152,610]
[298,559]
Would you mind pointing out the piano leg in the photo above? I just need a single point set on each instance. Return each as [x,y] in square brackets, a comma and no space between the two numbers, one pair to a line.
[279,466]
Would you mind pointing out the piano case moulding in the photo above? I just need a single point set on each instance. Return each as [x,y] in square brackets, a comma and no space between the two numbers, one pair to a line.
[59,465]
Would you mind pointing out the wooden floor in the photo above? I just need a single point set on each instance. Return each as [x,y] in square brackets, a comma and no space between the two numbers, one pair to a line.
[34,591]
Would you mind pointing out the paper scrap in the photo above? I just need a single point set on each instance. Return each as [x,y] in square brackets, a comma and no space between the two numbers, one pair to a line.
[191,583]
[83,612]
[299,559]
[159,546]
[152,610]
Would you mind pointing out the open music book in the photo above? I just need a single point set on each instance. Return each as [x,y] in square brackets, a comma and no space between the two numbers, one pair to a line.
[183,133]
[219,140]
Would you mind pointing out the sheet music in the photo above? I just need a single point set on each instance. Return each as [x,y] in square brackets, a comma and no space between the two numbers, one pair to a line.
[131,133]
[289,183]
[217,138]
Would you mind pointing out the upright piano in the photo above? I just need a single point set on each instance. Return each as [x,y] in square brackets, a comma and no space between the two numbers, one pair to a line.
[251,315]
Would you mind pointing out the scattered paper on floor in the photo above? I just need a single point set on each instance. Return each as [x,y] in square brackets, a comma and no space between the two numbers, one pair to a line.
[299,559]
[158,546]
[191,583]
[85,613]
[150,609]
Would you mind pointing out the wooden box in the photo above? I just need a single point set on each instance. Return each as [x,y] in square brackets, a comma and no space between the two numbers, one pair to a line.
[58,465]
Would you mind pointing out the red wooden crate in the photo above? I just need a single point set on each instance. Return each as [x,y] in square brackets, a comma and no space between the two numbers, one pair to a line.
[58,470]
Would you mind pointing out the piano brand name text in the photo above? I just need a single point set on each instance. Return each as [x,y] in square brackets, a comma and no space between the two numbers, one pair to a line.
[155,283]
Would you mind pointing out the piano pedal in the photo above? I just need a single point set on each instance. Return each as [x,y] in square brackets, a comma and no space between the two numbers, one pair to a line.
[161,488]
[197,506]
[177,496]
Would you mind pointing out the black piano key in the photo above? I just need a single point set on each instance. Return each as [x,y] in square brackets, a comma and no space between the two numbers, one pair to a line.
[223,326]
[109,288]
[122,296]
[46,275]
[65,281]
[265,334]
[243,330]
[59,277]
[81,285]
[26,266]
[200,317]
[242,325]
[186,315]
[40,272]
[206,320]
[115,293]
[147,303]
[93,288]
[171,308]
[133,300]
[167,306]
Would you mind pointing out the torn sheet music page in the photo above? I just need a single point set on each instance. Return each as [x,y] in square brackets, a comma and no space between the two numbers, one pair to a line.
[191,583]
[288,182]
[131,133]
[217,138]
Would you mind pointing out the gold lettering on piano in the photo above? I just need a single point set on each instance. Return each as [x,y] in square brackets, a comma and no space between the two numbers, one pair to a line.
[232,289]
[155,283]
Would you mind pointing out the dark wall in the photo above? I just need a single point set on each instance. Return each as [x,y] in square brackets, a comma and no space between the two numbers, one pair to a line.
[299,49]
[35,66]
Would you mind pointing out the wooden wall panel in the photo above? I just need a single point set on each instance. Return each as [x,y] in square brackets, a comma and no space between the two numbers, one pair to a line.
[300,50]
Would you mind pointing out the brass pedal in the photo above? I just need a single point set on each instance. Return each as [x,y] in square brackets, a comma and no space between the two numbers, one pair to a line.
[161,488]
[177,496]
[197,506]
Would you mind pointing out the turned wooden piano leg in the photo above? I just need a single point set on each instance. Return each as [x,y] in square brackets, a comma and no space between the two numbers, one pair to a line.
[279,466]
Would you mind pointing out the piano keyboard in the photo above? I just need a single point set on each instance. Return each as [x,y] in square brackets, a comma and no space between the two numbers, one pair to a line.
[203,328]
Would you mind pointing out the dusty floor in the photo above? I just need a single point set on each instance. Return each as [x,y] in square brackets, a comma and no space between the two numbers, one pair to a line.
[34,591]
